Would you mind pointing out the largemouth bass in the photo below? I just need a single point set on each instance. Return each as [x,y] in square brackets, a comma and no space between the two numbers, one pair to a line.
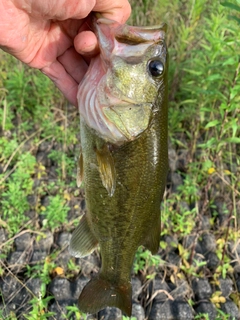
[124,158]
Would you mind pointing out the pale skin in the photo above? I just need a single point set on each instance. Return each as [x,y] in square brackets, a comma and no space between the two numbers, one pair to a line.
[55,36]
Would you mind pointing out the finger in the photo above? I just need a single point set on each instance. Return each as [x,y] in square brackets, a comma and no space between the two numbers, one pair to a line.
[118,10]
[86,43]
[65,83]
[74,64]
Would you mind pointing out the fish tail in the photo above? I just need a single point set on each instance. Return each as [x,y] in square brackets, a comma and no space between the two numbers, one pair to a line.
[100,293]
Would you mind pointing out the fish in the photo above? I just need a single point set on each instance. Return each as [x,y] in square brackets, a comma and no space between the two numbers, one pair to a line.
[123,106]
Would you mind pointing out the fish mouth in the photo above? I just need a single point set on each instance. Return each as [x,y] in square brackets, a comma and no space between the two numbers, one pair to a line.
[117,115]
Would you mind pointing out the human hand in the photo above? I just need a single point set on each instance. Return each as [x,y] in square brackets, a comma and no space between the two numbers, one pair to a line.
[43,34]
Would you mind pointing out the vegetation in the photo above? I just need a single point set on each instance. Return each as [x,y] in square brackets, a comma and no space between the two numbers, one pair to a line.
[39,145]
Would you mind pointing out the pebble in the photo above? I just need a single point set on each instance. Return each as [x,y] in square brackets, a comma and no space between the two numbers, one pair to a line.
[212,261]
[17,260]
[45,243]
[182,161]
[208,243]
[201,289]
[171,241]
[23,242]
[138,311]
[63,239]
[77,287]
[60,310]
[8,286]
[34,285]
[38,256]
[176,180]
[207,308]
[3,236]
[42,157]
[136,289]
[110,314]
[169,310]
[161,287]
[172,157]
[60,288]
[226,287]
[191,242]
[182,290]
[230,307]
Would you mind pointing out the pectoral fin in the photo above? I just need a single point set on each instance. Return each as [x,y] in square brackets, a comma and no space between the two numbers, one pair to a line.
[83,241]
[80,170]
[106,169]
[152,240]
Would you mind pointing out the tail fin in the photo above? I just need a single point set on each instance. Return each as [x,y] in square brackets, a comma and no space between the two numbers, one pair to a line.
[99,294]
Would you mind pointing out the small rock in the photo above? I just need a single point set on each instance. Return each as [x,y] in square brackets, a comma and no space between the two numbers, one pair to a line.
[172,157]
[238,285]
[207,308]
[226,287]
[17,260]
[89,265]
[77,287]
[45,243]
[3,237]
[9,286]
[110,314]
[182,161]
[44,146]
[212,260]
[176,180]
[173,258]
[205,223]
[208,243]
[170,310]
[34,285]
[161,287]
[230,307]
[38,256]
[61,289]
[234,248]
[63,259]
[138,311]
[223,214]
[192,242]
[172,242]
[182,290]
[63,239]
[201,289]
[60,309]
[23,242]
[136,289]
[32,200]
[42,157]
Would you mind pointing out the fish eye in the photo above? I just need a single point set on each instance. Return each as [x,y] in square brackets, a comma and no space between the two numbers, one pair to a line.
[156,68]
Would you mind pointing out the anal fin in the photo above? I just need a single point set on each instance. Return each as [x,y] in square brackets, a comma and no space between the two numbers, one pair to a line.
[83,241]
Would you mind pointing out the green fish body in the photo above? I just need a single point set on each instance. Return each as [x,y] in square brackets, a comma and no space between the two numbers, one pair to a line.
[124,160]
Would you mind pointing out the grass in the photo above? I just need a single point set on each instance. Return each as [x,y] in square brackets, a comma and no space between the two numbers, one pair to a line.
[204,82]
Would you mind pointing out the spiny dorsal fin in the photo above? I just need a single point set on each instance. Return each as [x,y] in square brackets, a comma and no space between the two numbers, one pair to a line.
[106,168]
